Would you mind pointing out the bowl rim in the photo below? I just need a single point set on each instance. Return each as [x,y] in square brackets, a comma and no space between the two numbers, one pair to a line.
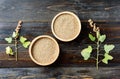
[59,14]
[32,44]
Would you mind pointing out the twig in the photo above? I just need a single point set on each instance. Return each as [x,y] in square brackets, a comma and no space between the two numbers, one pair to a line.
[16,49]
[93,58]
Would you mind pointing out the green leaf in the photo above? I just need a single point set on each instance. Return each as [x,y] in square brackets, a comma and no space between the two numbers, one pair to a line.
[26,44]
[92,38]
[108,48]
[9,39]
[22,39]
[15,34]
[106,58]
[102,38]
[86,52]
[9,50]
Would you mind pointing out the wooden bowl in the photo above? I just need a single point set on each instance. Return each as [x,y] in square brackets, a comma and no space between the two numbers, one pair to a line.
[44,50]
[66,26]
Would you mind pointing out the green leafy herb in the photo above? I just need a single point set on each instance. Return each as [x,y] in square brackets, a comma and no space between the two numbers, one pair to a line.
[16,38]
[106,58]
[102,38]
[9,50]
[22,39]
[108,48]
[92,38]
[15,34]
[26,44]
[9,39]
[86,52]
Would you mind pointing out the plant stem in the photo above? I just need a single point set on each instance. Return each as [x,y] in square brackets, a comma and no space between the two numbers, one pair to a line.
[16,49]
[97,58]
[93,58]
[99,61]
[101,55]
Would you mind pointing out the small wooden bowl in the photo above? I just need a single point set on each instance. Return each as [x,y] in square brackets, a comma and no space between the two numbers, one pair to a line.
[66,26]
[44,50]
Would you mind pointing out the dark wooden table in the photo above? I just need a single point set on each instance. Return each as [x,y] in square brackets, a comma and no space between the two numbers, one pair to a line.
[37,16]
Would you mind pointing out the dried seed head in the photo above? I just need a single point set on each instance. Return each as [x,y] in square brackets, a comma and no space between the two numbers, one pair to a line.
[93,25]
[97,29]
[90,22]
[18,27]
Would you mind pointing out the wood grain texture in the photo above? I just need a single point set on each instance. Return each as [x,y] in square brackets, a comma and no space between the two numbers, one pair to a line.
[40,10]
[37,16]
[69,53]
[60,73]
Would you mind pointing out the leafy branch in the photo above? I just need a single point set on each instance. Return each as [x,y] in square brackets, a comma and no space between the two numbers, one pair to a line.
[98,39]
[17,38]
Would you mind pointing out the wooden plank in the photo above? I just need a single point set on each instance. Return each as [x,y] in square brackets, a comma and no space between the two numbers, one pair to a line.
[60,73]
[31,30]
[40,10]
[69,57]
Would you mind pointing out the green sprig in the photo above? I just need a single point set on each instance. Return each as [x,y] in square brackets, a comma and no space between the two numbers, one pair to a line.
[15,36]
[98,39]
